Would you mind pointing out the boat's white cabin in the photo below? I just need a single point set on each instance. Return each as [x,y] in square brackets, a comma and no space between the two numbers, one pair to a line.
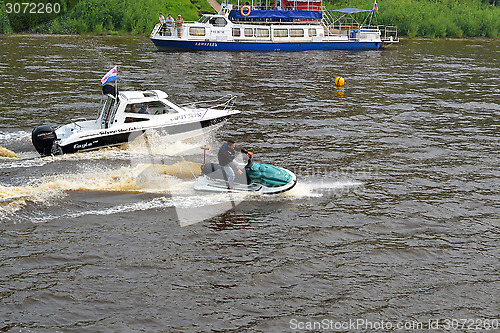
[219,28]
[135,106]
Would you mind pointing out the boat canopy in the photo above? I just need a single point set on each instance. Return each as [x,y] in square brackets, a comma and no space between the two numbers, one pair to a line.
[278,14]
[350,10]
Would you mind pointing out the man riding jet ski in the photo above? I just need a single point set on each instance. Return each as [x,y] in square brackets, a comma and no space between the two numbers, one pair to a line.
[226,156]
[253,177]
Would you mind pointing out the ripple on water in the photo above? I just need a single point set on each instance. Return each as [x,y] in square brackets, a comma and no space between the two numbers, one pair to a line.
[394,217]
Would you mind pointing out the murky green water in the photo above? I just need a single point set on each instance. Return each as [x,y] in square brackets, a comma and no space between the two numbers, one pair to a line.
[395,217]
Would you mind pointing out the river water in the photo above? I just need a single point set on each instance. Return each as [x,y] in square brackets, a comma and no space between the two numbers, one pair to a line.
[395,218]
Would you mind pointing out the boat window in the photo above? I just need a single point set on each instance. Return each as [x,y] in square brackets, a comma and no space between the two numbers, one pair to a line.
[157,107]
[203,19]
[261,32]
[248,32]
[197,31]
[236,32]
[134,119]
[136,111]
[131,108]
[149,108]
[296,32]
[218,22]
[312,33]
[280,32]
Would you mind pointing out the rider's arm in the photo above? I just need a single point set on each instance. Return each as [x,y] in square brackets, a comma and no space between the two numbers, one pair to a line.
[243,150]
[234,164]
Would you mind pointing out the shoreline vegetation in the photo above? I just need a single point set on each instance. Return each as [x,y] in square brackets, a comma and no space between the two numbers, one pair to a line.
[413,18]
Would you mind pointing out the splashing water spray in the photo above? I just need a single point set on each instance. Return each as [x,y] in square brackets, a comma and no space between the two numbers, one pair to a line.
[4,152]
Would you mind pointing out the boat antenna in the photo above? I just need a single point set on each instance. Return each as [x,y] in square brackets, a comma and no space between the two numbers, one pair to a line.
[116,83]
[205,148]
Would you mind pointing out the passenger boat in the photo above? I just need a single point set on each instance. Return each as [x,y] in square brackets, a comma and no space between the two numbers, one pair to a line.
[285,26]
[128,114]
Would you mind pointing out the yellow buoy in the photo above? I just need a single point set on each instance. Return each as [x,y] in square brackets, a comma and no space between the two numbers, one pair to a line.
[339,81]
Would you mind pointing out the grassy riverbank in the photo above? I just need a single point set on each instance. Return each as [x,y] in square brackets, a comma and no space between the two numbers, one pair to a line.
[109,16]
[435,18]
[414,18]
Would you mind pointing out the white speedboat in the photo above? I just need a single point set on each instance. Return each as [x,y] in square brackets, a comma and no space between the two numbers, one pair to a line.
[129,114]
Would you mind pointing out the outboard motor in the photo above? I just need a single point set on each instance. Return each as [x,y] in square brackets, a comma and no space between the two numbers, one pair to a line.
[44,139]
[108,89]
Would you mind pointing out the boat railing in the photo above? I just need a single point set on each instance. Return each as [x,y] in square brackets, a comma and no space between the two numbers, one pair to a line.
[328,19]
[269,22]
[369,28]
[343,30]
[163,30]
[75,120]
[389,34]
[215,103]
[155,30]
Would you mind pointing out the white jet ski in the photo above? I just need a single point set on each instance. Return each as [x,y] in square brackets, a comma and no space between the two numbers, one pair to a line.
[257,178]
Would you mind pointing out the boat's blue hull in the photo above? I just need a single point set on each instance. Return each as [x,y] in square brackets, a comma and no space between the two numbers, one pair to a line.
[172,45]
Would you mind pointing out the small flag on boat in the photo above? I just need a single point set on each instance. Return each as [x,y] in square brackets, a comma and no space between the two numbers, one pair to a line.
[110,76]
[375,7]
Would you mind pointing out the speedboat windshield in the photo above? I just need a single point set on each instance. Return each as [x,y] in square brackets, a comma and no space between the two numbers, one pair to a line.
[106,113]
[203,19]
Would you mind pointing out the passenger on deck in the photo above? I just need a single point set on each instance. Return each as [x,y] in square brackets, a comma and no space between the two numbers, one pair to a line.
[162,23]
[179,22]
[170,25]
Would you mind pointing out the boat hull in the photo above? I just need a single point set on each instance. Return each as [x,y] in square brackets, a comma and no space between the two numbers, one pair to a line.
[258,178]
[109,138]
[205,184]
[182,45]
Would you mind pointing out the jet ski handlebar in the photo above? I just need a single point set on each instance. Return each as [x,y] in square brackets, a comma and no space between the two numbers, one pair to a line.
[249,162]
[205,148]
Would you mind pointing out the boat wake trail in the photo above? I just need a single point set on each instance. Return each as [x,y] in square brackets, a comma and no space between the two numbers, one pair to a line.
[161,179]
[149,170]
[322,188]
[170,185]
[156,203]
[155,143]
[9,137]
[7,153]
